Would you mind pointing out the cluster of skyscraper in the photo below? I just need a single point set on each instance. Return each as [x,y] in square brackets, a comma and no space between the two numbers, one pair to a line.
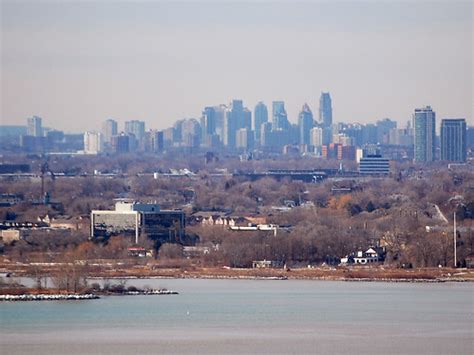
[134,138]
[233,127]
[39,139]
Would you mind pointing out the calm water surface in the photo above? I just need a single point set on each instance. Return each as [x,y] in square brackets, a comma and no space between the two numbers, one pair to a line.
[250,317]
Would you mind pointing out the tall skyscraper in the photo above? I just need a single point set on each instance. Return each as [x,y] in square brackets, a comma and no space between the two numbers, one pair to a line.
[177,131]
[265,134]
[109,129]
[246,119]
[325,117]
[208,121]
[325,110]
[424,123]
[190,133]
[234,120]
[279,116]
[34,126]
[453,140]
[260,116]
[305,123]
[220,118]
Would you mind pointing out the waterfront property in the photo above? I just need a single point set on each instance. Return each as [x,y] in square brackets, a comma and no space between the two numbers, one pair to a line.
[135,219]
[370,256]
[266,264]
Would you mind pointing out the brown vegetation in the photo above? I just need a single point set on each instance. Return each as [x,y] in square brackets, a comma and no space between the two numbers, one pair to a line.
[392,212]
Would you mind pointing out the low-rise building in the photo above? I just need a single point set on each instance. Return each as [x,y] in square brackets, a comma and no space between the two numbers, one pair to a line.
[261,227]
[68,222]
[266,264]
[195,251]
[370,256]
[218,219]
[374,165]
[131,218]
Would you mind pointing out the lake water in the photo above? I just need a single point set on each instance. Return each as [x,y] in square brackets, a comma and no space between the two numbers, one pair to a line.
[250,317]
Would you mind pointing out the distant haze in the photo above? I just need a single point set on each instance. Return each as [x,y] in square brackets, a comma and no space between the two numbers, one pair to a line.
[76,63]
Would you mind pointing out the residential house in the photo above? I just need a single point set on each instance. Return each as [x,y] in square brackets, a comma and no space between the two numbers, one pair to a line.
[370,256]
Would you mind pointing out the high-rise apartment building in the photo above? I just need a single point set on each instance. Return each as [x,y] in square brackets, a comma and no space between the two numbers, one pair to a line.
[121,144]
[190,133]
[470,138]
[305,123]
[93,142]
[265,134]
[109,129]
[424,123]
[137,128]
[34,126]
[168,137]
[244,139]
[154,141]
[260,116]
[316,137]
[453,140]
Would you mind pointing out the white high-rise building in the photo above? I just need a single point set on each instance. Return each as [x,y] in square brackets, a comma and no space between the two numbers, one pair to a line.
[35,126]
[109,129]
[260,116]
[244,138]
[93,143]
[316,137]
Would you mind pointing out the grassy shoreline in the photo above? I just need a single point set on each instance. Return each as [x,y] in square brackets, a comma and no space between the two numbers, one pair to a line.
[373,273]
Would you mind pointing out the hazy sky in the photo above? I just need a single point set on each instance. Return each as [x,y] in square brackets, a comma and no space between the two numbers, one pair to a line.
[76,63]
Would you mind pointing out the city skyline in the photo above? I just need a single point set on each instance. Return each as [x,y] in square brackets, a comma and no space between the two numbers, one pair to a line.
[123,125]
[77,64]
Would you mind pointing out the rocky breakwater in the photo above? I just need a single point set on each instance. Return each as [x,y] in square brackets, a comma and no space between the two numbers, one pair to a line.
[150,292]
[49,297]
